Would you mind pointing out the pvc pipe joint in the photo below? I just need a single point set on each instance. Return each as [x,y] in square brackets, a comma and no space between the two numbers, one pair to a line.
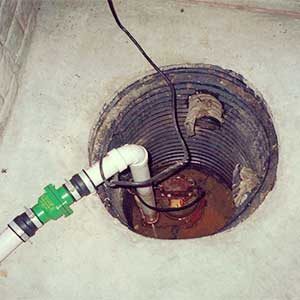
[117,160]
[55,203]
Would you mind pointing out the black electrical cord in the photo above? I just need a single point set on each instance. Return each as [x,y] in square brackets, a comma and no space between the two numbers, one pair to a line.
[168,209]
[179,164]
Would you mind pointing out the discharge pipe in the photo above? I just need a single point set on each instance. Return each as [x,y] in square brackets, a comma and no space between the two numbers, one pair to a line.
[56,202]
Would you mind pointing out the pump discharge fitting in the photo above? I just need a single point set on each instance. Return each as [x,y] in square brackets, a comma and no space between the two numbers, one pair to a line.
[56,202]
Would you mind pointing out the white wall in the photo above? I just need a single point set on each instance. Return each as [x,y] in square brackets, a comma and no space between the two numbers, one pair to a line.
[17,21]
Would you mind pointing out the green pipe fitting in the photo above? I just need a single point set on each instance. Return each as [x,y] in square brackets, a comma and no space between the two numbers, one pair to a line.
[53,204]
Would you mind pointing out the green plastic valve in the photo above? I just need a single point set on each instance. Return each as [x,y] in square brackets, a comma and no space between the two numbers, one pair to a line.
[53,204]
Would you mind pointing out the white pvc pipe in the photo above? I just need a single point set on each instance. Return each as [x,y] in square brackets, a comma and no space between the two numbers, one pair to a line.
[9,241]
[117,160]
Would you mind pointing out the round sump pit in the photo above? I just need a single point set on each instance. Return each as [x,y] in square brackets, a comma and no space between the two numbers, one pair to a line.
[230,136]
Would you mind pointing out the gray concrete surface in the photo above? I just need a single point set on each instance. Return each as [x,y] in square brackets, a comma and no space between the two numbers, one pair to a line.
[77,61]
[17,22]
[267,5]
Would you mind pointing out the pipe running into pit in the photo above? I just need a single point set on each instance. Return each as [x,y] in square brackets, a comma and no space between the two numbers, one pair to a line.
[56,202]
[117,160]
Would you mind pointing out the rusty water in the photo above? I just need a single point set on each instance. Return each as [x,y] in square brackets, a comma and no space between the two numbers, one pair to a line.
[210,215]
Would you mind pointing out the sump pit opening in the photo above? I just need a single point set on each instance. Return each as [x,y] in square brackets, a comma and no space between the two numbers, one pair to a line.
[238,156]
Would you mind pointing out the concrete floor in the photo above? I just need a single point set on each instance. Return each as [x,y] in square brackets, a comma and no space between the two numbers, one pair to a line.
[78,59]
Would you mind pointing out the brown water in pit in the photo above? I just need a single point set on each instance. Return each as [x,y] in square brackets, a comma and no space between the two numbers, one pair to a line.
[211,214]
